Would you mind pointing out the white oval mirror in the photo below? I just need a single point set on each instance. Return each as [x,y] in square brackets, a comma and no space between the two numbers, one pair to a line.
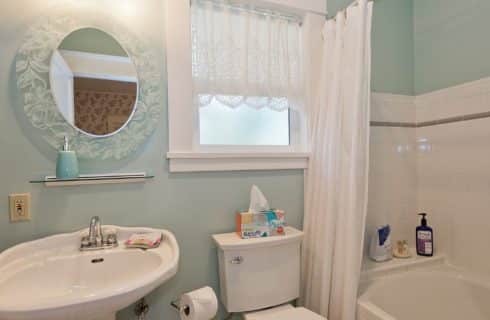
[94,82]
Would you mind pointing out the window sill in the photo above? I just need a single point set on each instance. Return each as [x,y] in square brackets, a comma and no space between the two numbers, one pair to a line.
[205,161]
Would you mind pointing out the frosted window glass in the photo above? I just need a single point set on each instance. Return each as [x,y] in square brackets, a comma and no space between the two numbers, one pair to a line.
[243,126]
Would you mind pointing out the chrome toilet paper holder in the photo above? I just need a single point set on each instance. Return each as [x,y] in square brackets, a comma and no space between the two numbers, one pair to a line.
[181,308]
[186,309]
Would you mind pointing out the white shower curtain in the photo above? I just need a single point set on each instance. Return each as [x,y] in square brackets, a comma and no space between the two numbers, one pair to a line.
[337,176]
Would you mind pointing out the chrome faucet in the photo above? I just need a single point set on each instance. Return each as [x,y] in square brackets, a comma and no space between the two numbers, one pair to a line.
[95,231]
[96,240]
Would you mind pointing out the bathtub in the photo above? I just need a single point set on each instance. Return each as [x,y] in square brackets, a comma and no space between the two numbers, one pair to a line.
[441,293]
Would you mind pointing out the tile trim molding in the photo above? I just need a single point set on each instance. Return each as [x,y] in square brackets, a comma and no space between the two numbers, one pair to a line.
[474,116]
[467,117]
[434,108]
[393,124]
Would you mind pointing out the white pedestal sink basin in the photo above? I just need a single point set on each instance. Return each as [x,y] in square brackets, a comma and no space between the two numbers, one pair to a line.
[51,279]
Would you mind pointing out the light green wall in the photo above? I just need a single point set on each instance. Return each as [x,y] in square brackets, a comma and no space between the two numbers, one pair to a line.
[93,41]
[193,206]
[392,44]
[420,46]
[451,43]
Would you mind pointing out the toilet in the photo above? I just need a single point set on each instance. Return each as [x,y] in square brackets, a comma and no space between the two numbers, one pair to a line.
[259,277]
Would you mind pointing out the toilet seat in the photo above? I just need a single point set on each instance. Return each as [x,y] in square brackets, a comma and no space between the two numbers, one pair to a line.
[285,313]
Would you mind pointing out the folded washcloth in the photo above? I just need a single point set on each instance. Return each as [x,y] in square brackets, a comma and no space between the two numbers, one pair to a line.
[144,240]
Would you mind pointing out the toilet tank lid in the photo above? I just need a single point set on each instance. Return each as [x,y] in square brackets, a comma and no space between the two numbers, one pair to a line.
[292,314]
[231,241]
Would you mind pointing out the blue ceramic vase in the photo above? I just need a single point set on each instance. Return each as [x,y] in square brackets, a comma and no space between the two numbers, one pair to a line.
[67,165]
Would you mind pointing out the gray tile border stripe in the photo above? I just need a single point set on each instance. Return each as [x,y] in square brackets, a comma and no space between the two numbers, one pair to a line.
[393,124]
[431,123]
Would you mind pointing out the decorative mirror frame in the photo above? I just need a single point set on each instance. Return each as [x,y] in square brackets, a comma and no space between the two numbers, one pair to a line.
[33,62]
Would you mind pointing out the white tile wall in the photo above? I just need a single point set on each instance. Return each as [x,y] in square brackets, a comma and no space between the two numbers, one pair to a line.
[392,108]
[392,181]
[443,170]
[454,188]
[392,178]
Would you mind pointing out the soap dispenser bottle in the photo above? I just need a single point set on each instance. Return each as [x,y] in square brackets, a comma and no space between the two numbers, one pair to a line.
[425,238]
[67,163]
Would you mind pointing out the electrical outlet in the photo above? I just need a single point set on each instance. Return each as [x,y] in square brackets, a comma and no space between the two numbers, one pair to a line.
[20,207]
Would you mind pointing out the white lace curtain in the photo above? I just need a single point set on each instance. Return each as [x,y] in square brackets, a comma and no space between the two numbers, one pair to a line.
[244,55]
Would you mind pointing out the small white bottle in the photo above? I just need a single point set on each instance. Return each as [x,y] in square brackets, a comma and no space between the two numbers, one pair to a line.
[380,248]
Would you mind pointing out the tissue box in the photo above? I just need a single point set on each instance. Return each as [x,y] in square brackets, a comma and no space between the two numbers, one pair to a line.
[263,224]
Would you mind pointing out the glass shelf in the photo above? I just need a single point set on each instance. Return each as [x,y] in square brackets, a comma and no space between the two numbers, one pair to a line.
[91,179]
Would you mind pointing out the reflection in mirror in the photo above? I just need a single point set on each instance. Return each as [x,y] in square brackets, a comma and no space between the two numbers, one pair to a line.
[94,82]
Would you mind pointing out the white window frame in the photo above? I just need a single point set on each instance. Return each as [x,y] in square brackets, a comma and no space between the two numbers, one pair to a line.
[185,153]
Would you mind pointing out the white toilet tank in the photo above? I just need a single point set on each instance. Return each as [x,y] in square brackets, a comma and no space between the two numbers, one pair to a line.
[259,273]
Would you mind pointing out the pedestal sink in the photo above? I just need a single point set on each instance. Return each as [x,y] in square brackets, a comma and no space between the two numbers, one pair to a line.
[51,279]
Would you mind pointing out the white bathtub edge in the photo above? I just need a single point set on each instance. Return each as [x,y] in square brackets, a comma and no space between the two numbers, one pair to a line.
[400,265]
[368,311]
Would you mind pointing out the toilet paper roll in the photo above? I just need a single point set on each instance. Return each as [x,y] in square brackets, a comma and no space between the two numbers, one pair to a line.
[200,304]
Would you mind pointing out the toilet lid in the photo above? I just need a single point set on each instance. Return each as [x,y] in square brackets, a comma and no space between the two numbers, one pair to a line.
[292,314]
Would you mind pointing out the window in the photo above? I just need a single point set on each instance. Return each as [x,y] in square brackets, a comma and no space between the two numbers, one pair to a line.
[243,126]
[236,85]
[247,73]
